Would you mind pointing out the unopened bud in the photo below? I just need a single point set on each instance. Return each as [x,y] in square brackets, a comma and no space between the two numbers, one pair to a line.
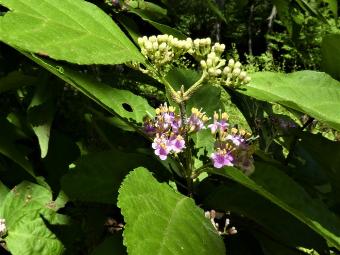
[242,75]
[226,70]
[236,71]
[231,63]
[237,65]
[203,64]
[162,47]
[247,79]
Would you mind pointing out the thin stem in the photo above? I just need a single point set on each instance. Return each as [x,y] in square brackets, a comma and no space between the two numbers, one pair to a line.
[198,84]
[200,170]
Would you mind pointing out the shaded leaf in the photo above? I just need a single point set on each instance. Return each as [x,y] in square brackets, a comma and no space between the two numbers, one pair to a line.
[272,184]
[97,177]
[15,80]
[273,221]
[73,30]
[3,192]
[111,245]
[330,49]
[175,225]
[9,146]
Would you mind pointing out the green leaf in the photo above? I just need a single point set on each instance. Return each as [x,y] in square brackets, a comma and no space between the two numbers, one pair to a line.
[117,101]
[283,9]
[97,177]
[40,114]
[272,184]
[15,80]
[72,30]
[270,218]
[308,8]
[175,225]
[165,29]
[314,93]
[111,245]
[25,209]
[333,6]
[3,192]
[326,153]
[216,10]
[8,146]
[330,49]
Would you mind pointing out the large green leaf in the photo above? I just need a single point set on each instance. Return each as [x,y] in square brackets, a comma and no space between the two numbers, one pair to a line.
[280,189]
[161,221]
[330,49]
[314,93]
[121,102]
[72,30]
[97,177]
[25,209]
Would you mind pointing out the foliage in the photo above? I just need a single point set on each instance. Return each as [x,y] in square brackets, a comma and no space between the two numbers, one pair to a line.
[120,134]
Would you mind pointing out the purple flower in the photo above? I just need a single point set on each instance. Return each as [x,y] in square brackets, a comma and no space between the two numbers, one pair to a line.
[196,120]
[222,158]
[177,143]
[176,124]
[161,146]
[236,139]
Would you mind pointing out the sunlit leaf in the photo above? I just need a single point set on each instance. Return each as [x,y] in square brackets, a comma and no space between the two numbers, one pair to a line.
[73,30]
[161,221]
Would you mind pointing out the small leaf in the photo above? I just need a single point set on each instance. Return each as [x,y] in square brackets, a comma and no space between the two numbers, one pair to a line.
[161,221]
[73,30]
[40,114]
[314,93]
[25,209]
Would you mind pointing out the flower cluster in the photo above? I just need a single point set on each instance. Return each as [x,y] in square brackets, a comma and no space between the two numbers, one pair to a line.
[169,130]
[232,147]
[3,229]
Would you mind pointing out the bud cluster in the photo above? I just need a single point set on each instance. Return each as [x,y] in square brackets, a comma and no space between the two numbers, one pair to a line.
[232,147]
[168,130]
[163,49]
[3,229]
